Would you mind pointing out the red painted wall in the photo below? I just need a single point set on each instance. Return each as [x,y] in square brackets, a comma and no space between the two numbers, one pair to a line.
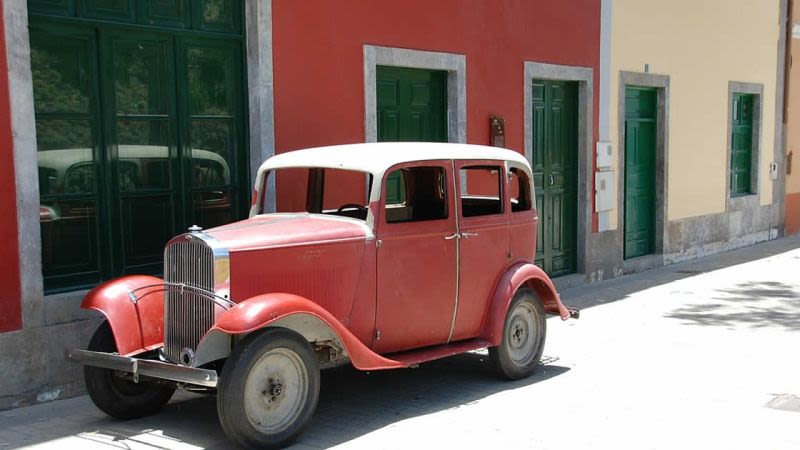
[10,297]
[793,213]
[318,59]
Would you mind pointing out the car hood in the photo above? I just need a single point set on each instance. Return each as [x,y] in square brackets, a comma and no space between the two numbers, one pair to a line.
[283,230]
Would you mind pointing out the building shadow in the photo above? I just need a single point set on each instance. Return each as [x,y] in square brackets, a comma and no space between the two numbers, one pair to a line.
[352,403]
[755,305]
[616,289]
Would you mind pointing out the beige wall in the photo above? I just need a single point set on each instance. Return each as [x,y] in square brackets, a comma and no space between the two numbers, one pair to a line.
[701,45]
[793,120]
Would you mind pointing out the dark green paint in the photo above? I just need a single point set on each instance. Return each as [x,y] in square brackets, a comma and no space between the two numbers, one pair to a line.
[141,133]
[742,145]
[412,107]
[640,171]
[213,16]
[555,174]
[412,104]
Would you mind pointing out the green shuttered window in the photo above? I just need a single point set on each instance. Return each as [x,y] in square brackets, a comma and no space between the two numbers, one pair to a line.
[741,175]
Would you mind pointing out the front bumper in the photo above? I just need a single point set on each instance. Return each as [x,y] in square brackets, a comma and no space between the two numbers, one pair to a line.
[147,367]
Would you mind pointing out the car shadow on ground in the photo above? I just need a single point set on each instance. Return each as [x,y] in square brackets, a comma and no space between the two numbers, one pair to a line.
[352,403]
[755,305]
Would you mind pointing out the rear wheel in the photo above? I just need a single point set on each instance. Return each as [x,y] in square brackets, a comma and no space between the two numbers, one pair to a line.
[524,334]
[269,389]
[112,393]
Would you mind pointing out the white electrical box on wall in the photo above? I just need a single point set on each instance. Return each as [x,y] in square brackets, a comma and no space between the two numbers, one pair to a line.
[604,191]
[604,157]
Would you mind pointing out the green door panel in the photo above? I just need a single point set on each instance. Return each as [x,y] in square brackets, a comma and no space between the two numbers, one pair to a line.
[142,142]
[210,93]
[166,13]
[113,10]
[640,171]
[208,16]
[141,132]
[66,102]
[217,15]
[412,104]
[56,7]
[555,174]
[742,144]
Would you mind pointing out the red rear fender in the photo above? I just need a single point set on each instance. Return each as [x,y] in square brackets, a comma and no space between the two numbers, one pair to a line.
[519,275]
[134,311]
[302,316]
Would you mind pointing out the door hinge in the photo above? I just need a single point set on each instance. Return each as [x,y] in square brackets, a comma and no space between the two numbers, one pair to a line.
[377,335]
[379,243]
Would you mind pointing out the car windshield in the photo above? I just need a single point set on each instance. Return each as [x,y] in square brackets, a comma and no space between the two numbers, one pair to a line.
[322,191]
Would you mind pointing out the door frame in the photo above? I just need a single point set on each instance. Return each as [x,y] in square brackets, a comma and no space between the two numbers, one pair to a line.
[661,83]
[584,76]
[453,63]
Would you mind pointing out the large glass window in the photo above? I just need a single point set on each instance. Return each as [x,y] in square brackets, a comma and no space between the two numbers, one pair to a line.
[140,131]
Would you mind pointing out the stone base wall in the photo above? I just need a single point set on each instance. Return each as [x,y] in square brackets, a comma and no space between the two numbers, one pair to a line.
[33,363]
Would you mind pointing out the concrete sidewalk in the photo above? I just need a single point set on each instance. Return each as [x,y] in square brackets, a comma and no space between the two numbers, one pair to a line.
[699,354]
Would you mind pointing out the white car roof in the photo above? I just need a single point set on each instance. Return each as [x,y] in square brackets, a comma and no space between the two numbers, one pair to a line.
[377,157]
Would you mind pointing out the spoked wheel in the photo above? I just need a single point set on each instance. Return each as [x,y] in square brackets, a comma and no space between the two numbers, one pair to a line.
[116,395]
[268,390]
[523,337]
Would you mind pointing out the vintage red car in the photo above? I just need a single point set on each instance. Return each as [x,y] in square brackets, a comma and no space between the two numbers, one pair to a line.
[388,256]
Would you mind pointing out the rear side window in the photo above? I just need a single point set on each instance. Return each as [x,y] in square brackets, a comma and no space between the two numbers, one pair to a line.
[481,193]
[520,187]
[416,194]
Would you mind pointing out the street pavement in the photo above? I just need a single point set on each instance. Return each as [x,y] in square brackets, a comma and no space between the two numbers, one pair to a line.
[704,354]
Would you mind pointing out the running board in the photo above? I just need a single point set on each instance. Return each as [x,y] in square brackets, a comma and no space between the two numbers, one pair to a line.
[412,358]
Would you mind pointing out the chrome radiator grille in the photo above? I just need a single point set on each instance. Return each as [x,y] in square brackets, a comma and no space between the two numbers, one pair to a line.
[187,316]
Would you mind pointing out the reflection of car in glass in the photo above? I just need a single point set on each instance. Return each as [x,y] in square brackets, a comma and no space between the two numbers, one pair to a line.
[138,167]
[389,255]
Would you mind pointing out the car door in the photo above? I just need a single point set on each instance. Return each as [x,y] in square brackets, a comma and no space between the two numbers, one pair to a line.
[483,241]
[416,257]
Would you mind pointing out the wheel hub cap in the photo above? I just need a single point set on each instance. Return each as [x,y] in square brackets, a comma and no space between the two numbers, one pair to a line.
[275,390]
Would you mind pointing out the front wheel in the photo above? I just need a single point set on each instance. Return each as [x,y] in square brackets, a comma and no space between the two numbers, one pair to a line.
[268,390]
[524,334]
[112,393]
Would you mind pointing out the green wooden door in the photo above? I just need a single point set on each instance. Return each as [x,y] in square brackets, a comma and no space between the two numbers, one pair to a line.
[412,104]
[640,171]
[555,173]
[742,144]
[141,131]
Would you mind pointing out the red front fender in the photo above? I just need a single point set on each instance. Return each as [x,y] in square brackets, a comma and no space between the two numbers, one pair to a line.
[137,322]
[275,309]
[520,274]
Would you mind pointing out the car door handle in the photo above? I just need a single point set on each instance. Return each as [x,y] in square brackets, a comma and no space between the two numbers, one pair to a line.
[469,235]
[452,236]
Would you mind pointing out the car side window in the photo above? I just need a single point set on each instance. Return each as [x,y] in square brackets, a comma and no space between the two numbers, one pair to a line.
[415,194]
[481,193]
[520,188]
